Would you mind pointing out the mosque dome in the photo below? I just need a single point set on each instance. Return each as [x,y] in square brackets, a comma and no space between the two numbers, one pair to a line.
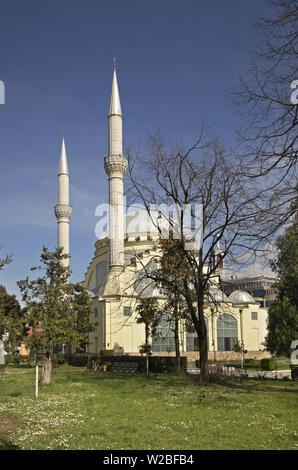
[241,297]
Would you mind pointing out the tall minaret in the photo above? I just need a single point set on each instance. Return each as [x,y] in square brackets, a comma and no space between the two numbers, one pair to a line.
[63,210]
[115,165]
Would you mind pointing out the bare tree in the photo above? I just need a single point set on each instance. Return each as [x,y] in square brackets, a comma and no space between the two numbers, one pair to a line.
[233,212]
[266,102]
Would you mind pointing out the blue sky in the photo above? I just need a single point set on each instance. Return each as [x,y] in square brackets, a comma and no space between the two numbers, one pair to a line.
[176,61]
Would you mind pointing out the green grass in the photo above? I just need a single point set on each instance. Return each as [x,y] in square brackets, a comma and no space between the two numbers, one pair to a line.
[91,410]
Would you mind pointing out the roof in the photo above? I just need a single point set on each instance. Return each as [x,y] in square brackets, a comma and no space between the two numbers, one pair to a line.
[241,297]
[151,291]
[217,295]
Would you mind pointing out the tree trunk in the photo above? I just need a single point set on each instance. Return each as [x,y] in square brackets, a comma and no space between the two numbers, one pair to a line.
[177,344]
[200,327]
[203,346]
[147,334]
[47,369]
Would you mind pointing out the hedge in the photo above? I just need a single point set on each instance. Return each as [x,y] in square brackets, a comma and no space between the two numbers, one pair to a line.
[156,363]
[22,361]
[106,352]
[269,363]
[251,362]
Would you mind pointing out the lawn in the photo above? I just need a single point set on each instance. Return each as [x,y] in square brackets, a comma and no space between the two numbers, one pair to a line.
[96,410]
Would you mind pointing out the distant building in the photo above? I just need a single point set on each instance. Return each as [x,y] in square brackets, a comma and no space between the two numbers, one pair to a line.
[260,287]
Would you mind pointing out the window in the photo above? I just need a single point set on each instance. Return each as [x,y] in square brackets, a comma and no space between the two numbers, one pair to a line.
[142,280]
[164,340]
[101,272]
[227,332]
[96,313]
[192,340]
[254,315]
[259,293]
[127,311]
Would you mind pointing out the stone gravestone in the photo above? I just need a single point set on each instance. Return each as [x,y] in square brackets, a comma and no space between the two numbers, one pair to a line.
[2,353]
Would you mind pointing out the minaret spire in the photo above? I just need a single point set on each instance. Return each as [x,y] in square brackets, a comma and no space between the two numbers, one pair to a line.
[115,166]
[115,106]
[63,210]
[63,167]
[115,119]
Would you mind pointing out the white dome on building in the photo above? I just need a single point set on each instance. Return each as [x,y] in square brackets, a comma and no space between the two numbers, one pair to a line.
[151,291]
[217,295]
[241,297]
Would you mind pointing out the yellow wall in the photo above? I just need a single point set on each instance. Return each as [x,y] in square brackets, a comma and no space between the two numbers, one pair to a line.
[124,330]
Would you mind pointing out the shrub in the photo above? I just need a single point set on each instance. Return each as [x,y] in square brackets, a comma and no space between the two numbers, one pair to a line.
[249,362]
[294,371]
[58,360]
[269,363]
[9,359]
[145,349]
[252,364]
[107,352]
[78,360]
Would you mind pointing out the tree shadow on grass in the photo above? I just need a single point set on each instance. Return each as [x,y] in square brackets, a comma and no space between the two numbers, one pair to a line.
[248,384]
[7,445]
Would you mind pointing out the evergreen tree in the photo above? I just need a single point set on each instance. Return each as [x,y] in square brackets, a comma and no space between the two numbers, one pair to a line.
[11,324]
[57,310]
[147,311]
[283,315]
[172,272]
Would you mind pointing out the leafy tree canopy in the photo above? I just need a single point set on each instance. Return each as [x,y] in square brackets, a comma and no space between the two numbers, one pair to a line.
[4,261]
[283,315]
[11,320]
[61,309]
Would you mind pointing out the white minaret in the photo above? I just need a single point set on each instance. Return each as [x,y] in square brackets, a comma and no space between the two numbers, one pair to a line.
[63,210]
[115,166]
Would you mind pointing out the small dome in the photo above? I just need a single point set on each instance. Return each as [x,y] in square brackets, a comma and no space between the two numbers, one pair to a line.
[241,297]
[217,295]
[151,292]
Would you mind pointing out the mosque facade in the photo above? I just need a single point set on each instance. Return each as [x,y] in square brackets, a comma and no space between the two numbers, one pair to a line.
[117,282]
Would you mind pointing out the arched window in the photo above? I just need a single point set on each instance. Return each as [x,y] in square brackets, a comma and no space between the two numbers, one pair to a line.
[192,340]
[163,339]
[142,280]
[227,332]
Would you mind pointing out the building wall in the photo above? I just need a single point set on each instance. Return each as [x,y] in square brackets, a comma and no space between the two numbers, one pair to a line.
[116,328]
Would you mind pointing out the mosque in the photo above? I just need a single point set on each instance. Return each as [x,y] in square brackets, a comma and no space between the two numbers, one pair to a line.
[116,275]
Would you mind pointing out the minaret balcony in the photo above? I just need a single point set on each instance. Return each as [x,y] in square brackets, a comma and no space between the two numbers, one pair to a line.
[115,165]
[63,212]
